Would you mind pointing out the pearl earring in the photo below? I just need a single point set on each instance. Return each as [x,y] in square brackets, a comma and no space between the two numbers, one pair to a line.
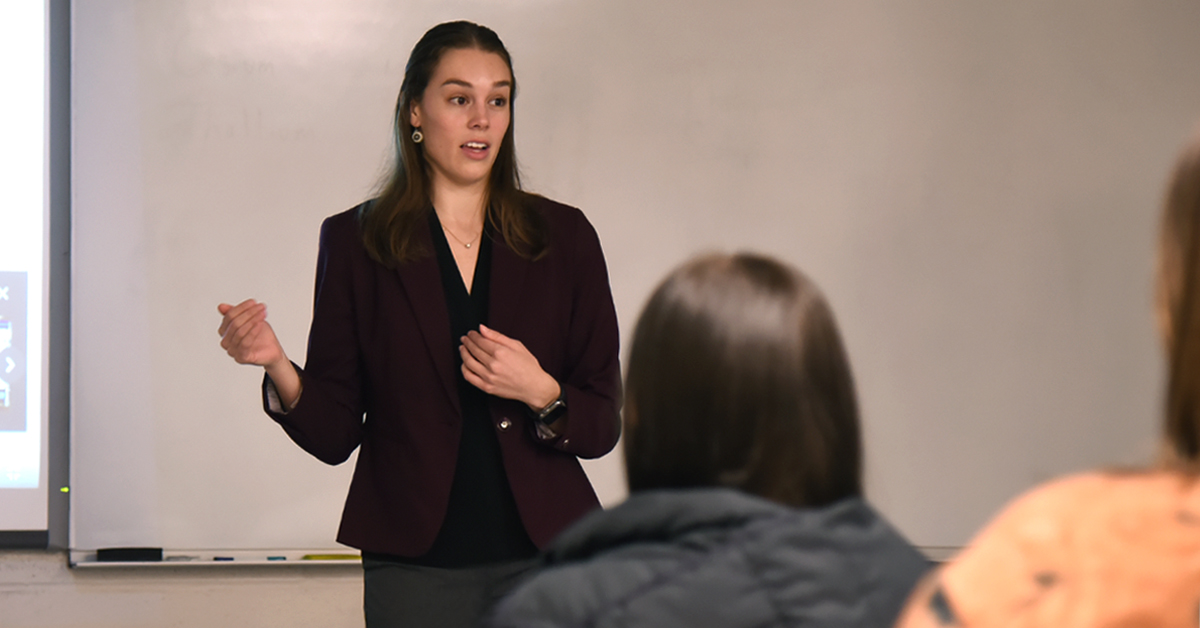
[417,136]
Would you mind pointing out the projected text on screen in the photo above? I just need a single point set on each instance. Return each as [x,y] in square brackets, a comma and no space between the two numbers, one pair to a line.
[22,258]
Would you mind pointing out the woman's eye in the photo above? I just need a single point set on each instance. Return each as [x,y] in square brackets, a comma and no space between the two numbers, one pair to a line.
[459,100]
[500,101]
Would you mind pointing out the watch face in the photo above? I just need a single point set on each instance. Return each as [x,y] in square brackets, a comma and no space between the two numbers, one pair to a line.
[552,412]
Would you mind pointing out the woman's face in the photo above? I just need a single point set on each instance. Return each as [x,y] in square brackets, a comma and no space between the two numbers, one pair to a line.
[464,114]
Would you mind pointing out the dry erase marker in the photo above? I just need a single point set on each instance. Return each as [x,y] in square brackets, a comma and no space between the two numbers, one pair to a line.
[331,557]
[223,558]
[277,558]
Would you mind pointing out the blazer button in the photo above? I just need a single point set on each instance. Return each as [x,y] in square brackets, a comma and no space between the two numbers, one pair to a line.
[504,424]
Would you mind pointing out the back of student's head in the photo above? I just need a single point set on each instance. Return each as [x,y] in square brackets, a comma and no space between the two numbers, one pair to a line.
[1179,309]
[737,377]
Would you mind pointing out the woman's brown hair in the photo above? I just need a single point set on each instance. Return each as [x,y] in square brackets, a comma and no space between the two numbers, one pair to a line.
[389,221]
[1178,298]
[738,377]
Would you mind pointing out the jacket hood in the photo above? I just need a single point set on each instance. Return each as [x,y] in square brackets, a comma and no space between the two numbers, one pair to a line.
[665,515]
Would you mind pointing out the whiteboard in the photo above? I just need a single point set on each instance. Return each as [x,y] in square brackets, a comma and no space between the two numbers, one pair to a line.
[974,185]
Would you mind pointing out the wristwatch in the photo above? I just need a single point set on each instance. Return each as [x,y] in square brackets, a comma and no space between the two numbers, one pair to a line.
[553,410]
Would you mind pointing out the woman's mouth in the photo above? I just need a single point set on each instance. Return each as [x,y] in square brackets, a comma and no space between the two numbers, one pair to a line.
[476,150]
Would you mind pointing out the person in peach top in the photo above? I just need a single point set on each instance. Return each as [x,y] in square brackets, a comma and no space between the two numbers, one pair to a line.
[1110,547]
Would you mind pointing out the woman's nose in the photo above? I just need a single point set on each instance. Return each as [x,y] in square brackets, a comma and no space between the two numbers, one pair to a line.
[479,116]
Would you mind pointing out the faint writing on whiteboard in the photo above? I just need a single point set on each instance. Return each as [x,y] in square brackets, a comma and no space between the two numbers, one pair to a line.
[244,123]
[225,66]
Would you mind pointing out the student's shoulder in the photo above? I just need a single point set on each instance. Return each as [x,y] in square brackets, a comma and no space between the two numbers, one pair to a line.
[1076,494]
[1050,523]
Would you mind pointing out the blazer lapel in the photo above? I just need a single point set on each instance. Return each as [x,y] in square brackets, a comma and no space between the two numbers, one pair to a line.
[422,280]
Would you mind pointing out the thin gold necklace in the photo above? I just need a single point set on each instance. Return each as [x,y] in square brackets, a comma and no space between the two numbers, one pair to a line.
[465,244]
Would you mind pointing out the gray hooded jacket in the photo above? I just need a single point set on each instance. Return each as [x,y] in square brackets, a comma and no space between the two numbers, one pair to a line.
[719,557]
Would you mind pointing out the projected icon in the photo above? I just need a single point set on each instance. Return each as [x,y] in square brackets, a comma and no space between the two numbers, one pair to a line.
[6,336]
[14,292]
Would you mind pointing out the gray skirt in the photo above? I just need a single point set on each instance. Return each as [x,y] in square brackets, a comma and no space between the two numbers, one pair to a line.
[397,595]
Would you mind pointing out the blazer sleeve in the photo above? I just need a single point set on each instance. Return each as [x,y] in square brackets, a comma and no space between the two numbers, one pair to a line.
[592,374]
[327,421]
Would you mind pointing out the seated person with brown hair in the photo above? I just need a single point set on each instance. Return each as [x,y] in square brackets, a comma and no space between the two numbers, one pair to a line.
[1107,548]
[744,460]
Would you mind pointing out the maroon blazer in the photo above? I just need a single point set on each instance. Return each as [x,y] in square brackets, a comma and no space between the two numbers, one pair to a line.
[380,348]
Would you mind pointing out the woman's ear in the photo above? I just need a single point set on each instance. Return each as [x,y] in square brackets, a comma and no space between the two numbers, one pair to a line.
[414,115]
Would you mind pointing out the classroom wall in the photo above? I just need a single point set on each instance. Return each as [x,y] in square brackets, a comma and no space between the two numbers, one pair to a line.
[973,184]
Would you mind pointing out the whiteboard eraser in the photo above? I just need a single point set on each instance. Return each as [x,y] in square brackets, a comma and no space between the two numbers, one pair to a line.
[129,555]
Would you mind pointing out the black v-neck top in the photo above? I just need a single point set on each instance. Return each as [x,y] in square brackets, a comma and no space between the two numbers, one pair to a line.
[482,524]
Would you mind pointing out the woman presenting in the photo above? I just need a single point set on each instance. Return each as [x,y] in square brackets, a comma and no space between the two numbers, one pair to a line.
[463,337]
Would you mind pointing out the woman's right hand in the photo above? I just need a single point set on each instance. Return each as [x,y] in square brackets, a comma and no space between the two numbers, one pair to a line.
[247,336]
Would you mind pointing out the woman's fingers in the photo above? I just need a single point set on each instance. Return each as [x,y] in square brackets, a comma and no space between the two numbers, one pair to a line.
[230,312]
[474,379]
[497,339]
[480,348]
[245,334]
[240,322]
[249,322]
[469,360]
[237,349]
[476,373]
[258,346]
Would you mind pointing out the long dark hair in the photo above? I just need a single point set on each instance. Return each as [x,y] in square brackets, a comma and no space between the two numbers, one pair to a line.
[403,200]
[1178,288]
[738,377]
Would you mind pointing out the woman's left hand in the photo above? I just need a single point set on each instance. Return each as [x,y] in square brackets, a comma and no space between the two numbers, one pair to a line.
[502,366]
